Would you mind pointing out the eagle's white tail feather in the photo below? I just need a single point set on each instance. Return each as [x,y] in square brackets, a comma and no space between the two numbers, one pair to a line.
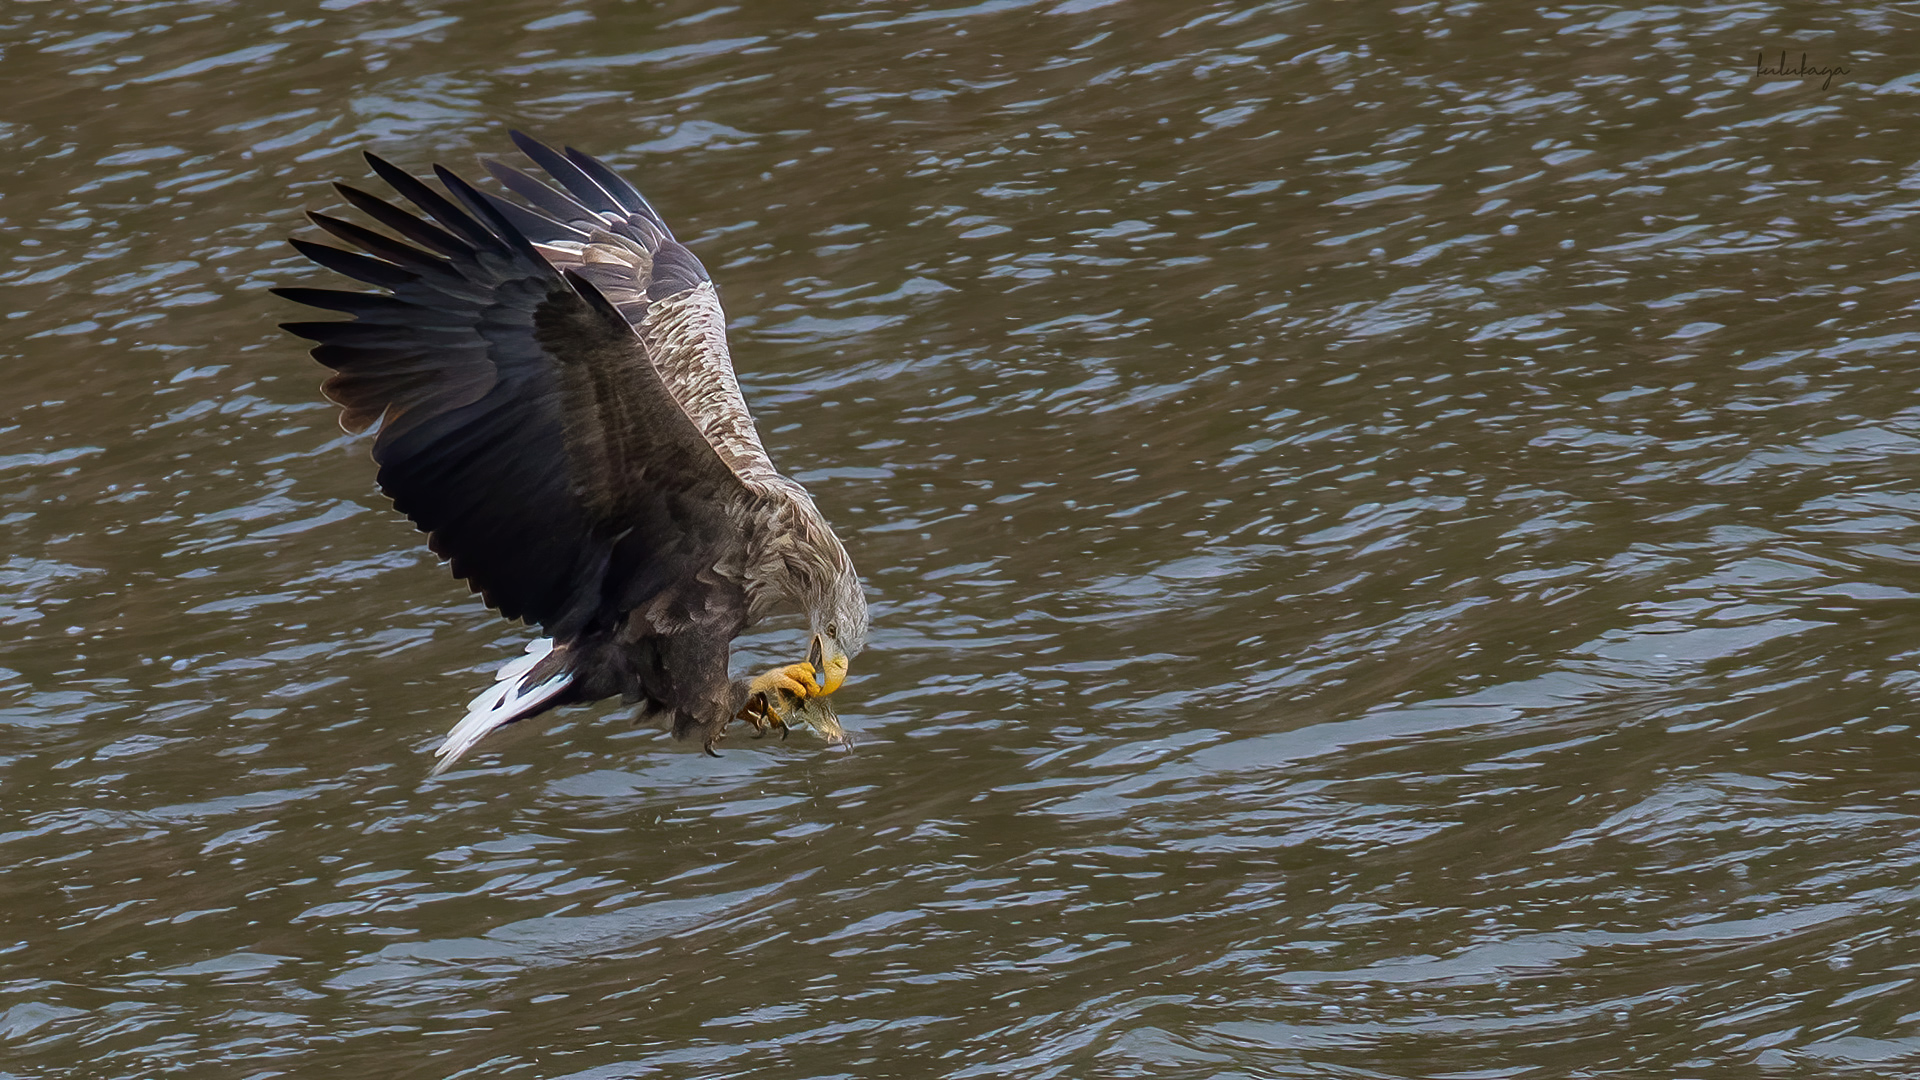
[520,665]
[509,697]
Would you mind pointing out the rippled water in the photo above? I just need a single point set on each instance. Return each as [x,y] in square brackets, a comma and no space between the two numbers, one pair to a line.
[1392,535]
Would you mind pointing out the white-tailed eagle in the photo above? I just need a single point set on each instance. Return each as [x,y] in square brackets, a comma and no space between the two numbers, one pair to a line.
[558,412]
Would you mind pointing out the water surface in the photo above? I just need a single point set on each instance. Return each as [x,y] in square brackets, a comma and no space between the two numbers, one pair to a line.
[1391,535]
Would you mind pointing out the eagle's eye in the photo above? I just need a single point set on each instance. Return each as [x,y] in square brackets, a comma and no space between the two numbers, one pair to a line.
[833,629]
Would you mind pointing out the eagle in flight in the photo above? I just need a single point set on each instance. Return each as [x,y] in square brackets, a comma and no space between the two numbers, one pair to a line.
[557,411]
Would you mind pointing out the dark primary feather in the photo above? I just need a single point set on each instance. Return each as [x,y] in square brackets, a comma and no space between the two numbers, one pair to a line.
[420,232]
[563,169]
[548,201]
[521,425]
[592,199]
[629,199]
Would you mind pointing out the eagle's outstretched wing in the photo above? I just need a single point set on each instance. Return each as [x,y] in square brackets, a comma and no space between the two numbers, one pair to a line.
[572,440]
[601,228]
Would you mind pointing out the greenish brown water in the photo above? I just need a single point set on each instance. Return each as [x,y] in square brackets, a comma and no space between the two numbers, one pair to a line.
[1392,535]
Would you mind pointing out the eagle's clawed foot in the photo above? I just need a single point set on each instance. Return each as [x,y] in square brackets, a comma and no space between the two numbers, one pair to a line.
[771,696]
[797,681]
[790,697]
[762,716]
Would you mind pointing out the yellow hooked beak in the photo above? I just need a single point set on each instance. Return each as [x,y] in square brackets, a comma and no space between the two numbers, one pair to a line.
[830,661]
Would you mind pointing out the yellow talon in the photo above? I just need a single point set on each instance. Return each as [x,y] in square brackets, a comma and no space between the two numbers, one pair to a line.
[794,693]
[771,696]
[806,677]
[795,680]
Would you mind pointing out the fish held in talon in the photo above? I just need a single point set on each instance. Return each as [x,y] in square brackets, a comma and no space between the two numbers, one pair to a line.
[817,713]
[779,706]
[548,373]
